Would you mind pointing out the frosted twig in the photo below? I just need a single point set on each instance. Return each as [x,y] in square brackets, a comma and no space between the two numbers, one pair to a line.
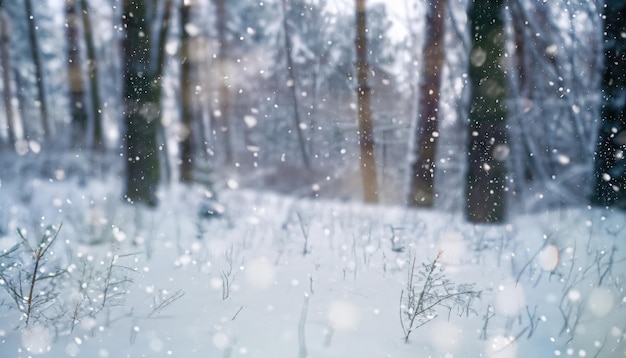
[237,313]
[302,352]
[43,247]
[488,315]
[166,302]
[532,258]
[305,233]
[418,306]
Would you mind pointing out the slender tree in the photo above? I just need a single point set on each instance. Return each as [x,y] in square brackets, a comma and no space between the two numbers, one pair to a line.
[6,72]
[366,127]
[142,94]
[485,178]
[223,118]
[292,83]
[39,76]
[94,79]
[421,187]
[188,85]
[86,107]
[611,151]
[76,77]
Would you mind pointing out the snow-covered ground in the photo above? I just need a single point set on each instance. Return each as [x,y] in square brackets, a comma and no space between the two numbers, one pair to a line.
[282,277]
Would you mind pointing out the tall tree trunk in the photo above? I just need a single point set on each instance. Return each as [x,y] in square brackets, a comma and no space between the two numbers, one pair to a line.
[39,77]
[487,115]
[421,187]
[366,127]
[611,152]
[157,68]
[223,94]
[187,103]
[6,73]
[94,79]
[142,94]
[293,86]
[76,79]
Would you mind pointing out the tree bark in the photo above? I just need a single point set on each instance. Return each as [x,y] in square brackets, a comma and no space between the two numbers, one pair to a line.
[223,93]
[39,77]
[487,115]
[292,84]
[366,127]
[142,94]
[94,80]
[75,73]
[187,103]
[611,151]
[6,73]
[421,187]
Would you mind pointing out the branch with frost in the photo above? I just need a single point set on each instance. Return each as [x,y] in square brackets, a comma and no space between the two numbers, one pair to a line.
[396,245]
[21,278]
[227,275]
[162,303]
[489,314]
[428,290]
[114,286]
[304,228]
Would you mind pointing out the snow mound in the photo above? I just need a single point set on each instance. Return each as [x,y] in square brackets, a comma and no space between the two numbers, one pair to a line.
[510,299]
[548,258]
[260,273]
[343,315]
[221,340]
[600,302]
[501,347]
[452,246]
[445,336]
[36,339]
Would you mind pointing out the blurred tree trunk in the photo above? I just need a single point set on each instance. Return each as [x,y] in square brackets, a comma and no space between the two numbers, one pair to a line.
[293,85]
[421,187]
[189,115]
[222,71]
[611,151]
[366,127]
[487,115]
[39,77]
[75,72]
[552,118]
[142,94]
[6,72]
[94,80]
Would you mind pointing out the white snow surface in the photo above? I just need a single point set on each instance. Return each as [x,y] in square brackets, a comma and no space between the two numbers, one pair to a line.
[279,277]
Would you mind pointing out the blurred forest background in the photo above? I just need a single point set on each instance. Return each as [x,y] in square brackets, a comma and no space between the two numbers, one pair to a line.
[488,108]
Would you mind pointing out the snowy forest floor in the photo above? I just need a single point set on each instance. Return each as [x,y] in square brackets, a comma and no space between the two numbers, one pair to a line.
[276,276]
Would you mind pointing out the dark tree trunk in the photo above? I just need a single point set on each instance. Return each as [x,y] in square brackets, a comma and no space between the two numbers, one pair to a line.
[142,94]
[6,73]
[366,127]
[293,85]
[188,114]
[611,152]
[39,77]
[94,79]
[76,77]
[487,115]
[421,187]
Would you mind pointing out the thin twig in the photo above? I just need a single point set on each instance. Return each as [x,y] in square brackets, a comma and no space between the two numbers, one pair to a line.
[237,313]
[305,233]
[166,302]
[302,352]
